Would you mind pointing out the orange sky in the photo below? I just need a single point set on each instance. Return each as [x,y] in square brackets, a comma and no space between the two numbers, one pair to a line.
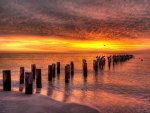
[74,25]
[55,44]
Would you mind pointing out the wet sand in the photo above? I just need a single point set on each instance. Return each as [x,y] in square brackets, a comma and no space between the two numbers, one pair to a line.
[16,102]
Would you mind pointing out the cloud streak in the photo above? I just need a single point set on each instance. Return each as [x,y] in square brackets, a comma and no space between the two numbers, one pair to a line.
[76,19]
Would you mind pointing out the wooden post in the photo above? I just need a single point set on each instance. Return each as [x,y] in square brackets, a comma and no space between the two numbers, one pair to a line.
[28,83]
[33,67]
[109,62]
[21,82]
[53,70]
[7,80]
[58,68]
[67,73]
[95,65]
[50,73]
[84,68]
[21,75]
[38,78]
[72,67]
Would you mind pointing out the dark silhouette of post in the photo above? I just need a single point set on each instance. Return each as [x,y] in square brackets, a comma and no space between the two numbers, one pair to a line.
[50,76]
[95,65]
[7,80]
[67,73]
[53,70]
[21,82]
[109,61]
[21,75]
[72,68]
[33,67]
[58,68]
[38,78]
[28,83]
[84,68]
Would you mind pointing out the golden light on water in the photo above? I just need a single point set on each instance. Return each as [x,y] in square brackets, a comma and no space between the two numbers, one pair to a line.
[53,44]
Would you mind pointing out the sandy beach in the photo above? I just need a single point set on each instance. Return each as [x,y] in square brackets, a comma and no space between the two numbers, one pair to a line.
[15,102]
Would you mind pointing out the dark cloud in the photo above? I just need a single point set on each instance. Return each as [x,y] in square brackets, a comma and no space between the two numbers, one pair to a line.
[76,19]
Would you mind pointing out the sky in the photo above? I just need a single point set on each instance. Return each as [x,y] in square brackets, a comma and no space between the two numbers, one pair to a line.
[74,25]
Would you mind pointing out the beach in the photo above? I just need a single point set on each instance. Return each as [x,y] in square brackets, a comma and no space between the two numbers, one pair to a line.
[18,102]
[14,102]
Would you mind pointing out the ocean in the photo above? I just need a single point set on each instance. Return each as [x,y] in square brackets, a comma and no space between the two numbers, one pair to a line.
[122,88]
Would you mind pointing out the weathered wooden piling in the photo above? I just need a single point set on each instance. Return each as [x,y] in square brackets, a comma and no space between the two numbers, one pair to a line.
[109,62]
[109,65]
[72,68]
[33,67]
[7,80]
[67,73]
[53,70]
[95,65]
[50,76]
[21,75]
[58,68]
[21,82]
[38,78]
[28,83]
[84,68]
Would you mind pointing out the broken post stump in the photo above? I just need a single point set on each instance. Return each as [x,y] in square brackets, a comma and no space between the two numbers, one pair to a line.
[28,83]
[33,67]
[58,68]
[53,70]
[38,78]
[67,73]
[84,68]
[7,80]
[95,65]
[50,76]
[21,82]
[72,68]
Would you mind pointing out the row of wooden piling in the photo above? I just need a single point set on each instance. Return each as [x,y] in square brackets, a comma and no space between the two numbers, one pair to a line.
[99,62]
[28,77]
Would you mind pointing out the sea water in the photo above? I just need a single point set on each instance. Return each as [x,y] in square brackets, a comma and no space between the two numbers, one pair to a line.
[122,88]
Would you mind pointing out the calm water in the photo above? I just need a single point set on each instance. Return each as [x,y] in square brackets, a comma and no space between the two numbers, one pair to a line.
[124,87]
